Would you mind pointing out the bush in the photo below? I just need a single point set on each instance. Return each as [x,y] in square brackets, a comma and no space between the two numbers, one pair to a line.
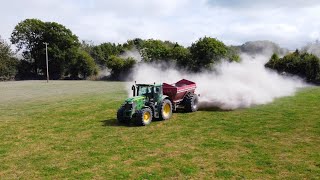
[207,51]
[82,66]
[120,67]
[304,65]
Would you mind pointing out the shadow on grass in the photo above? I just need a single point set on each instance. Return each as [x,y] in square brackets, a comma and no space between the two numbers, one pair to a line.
[182,110]
[114,123]
[211,106]
[213,109]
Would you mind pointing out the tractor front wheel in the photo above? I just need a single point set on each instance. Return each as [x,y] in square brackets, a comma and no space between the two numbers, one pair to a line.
[143,117]
[165,110]
[120,116]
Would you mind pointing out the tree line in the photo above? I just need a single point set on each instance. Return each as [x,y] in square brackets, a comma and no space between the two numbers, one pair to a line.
[69,58]
[302,64]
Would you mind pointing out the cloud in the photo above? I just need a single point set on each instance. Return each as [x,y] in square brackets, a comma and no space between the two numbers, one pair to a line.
[289,23]
[262,4]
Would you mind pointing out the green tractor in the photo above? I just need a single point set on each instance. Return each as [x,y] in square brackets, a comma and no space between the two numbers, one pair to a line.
[157,101]
[147,102]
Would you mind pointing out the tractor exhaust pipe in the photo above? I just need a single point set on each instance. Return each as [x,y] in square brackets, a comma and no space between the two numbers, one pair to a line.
[134,90]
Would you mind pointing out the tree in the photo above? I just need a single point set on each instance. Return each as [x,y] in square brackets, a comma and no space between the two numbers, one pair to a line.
[8,63]
[87,46]
[207,51]
[304,65]
[155,50]
[24,70]
[102,52]
[312,68]
[233,54]
[29,36]
[120,67]
[273,62]
[182,56]
[82,65]
[134,43]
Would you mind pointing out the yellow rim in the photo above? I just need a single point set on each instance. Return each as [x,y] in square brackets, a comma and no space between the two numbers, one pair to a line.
[166,109]
[146,116]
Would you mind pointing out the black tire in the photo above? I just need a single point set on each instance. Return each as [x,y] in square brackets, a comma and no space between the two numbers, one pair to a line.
[165,110]
[143,117]
[120,116]
[191,103]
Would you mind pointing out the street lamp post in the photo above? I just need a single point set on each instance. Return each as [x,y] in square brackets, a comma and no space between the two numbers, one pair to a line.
[47,61]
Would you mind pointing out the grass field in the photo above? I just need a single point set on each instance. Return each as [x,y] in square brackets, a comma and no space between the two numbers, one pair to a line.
[67,129]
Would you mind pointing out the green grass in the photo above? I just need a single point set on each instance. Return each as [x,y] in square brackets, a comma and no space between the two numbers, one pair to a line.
[67,129]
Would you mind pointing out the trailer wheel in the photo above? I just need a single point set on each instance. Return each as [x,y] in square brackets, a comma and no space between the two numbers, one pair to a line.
[191,103]
[120,116]
[165,110]
[143,117]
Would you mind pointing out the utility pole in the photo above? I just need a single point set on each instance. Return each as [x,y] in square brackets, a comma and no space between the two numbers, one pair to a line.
[47,61]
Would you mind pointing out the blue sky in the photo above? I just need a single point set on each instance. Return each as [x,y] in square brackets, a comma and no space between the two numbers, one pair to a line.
[290,23]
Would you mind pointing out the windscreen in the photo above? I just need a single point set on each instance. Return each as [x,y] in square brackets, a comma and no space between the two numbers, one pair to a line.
[144,90]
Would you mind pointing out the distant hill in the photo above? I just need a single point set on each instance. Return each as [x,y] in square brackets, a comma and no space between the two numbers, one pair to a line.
[261,47]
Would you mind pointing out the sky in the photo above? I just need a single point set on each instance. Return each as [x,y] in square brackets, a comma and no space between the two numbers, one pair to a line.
[290,23]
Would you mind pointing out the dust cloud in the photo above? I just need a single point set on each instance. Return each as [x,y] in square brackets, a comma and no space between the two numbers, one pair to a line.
[231,86]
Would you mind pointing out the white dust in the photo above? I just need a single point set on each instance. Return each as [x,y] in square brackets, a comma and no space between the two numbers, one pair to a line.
[133,53]
[231,86]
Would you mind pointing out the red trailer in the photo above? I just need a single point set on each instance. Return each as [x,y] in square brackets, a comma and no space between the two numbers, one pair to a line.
[182,94]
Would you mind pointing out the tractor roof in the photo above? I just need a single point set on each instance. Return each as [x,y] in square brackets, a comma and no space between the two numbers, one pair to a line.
[148,84]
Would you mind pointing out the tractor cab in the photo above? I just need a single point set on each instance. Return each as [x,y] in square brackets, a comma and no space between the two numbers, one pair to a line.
[151,91]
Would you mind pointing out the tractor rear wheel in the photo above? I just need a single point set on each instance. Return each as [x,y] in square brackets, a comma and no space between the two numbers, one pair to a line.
[191,103]
[120,116]
[165,110]
[143,117]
